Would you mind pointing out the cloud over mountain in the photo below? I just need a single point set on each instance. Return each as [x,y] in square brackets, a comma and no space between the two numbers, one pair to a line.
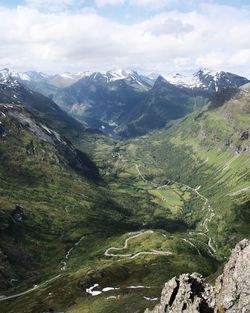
[211,35]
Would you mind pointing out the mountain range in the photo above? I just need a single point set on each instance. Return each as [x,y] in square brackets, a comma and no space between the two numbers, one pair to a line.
[125,103]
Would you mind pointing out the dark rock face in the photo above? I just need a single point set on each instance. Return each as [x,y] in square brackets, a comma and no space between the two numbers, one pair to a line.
[5,271]
[231,294]
[244,135]
[16,227]
[223,95]
[3,131]
[220,80]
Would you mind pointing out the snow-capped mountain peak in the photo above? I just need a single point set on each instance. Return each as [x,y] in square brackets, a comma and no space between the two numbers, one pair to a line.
[205,79]
[6,78]
[130,76]
[119,74]
[4,73]
[182,80]
[75,76]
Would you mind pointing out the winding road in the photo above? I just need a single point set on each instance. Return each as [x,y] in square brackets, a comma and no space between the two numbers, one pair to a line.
[131,255]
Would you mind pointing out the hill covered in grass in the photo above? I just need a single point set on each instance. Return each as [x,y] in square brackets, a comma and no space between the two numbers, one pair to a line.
[57,185]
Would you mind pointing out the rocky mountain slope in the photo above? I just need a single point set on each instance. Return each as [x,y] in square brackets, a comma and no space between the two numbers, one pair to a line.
[101,100]
[190,293]
[164,103]
[12,91]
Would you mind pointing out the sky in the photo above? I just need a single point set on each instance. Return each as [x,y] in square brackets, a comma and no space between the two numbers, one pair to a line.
[162,36]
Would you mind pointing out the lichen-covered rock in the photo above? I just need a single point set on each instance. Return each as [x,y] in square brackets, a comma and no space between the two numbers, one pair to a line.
[231,294]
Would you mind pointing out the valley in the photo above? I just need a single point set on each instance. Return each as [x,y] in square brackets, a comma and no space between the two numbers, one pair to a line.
[106,221]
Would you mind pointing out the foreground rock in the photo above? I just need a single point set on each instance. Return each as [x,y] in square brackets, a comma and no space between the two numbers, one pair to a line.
[231,293]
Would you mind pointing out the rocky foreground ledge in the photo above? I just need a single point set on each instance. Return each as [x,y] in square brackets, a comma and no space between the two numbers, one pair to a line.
[231,293]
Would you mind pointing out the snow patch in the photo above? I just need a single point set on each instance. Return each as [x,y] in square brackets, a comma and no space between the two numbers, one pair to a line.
[138,287]
[109,289]
[150,299]
[93,292]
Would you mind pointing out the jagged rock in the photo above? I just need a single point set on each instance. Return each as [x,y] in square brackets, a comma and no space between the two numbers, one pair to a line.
[187,293]
[233,286]
[231,294]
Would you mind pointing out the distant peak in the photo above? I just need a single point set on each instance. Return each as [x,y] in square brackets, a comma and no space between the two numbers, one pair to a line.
[161,78]
[153,76]
[160,81]
[117,74]
[4,72]
[207,71]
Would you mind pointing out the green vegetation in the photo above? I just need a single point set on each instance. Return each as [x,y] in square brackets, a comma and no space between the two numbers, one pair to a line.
[188,183]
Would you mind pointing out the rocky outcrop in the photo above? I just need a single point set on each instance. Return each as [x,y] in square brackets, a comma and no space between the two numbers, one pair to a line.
[231,293]
[187,293]
[233,286]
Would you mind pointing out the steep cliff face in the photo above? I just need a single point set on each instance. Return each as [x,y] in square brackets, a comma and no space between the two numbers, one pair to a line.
[231,293]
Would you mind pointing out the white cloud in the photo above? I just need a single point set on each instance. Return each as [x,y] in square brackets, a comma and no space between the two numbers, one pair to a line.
[53,5]
[38,3]
[139,3]
[213,36]
[150,3]
[101,3]
[170,26]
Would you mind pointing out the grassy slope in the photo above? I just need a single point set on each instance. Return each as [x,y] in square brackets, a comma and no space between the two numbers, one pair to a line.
[60,206]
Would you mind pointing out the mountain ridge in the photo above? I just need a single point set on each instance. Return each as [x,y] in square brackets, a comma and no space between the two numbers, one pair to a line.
[124,103]
[195,79]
